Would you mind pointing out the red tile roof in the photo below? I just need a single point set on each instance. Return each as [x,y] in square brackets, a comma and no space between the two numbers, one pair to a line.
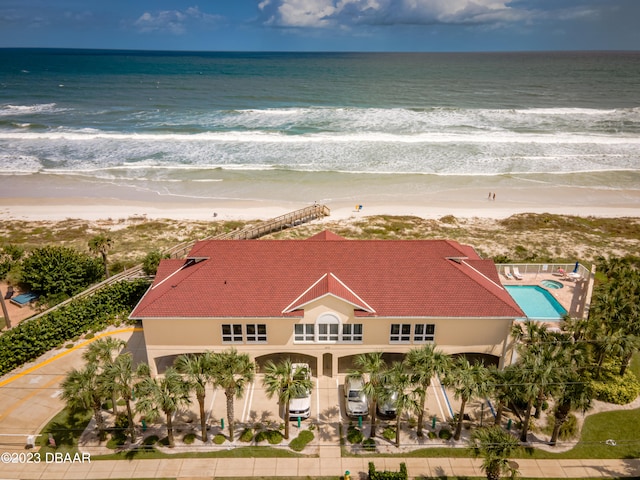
[273,278]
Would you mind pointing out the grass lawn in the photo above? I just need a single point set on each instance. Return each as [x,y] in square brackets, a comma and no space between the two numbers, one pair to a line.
[239,452]
[66,428]
[635,365]
[620,425]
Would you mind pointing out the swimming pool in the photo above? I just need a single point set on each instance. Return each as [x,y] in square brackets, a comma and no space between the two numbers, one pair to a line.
[536,302]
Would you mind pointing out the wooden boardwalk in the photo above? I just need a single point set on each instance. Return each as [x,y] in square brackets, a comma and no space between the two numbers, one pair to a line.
[287,220]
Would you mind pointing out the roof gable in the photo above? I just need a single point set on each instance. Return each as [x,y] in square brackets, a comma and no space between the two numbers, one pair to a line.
[328,284]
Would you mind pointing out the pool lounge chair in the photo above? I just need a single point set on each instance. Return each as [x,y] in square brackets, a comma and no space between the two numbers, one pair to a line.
[517,274]
[507,273]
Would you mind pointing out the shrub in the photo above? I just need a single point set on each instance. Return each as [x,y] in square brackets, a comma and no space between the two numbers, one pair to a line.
[219,439]
[151,262]
[189,438]
[387,475]
[354,435]
[389,433]
[369,445]
[151,440]
[247,435]
[272,436]
[301,441]
[616,389]
[432,435]
[56,270]
[445,434]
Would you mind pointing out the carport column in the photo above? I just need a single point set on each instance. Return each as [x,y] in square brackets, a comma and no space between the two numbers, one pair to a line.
[153,366]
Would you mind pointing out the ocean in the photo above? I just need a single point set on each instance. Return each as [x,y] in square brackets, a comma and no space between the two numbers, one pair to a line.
[314,126]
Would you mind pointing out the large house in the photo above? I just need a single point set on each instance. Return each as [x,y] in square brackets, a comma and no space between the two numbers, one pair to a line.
[325,299]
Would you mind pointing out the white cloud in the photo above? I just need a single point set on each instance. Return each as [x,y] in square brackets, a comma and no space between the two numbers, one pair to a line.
[331,13]
[173,21]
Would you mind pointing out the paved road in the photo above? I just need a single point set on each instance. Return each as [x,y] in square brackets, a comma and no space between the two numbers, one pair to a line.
[29,398]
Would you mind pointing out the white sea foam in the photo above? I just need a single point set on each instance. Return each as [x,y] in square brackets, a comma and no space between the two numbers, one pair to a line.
[7,110]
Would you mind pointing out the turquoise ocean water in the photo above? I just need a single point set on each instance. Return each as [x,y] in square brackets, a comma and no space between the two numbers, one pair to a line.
[211,125]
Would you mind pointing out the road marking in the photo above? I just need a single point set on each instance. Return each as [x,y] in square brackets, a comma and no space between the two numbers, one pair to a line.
[213,399]
[435,393]
[247,402]
[31,395]
[62,354]
[317,400]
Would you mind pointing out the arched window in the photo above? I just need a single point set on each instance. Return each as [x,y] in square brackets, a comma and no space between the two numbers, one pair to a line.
[328,327]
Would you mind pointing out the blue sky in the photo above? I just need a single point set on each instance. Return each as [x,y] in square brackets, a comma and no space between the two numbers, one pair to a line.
[323,25]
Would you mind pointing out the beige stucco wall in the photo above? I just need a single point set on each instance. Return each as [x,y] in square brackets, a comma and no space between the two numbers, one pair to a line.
[170,337]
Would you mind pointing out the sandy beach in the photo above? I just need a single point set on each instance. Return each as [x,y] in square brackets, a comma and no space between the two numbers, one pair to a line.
[59,200]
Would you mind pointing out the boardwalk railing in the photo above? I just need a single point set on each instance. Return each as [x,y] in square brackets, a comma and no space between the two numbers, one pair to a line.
[287,220]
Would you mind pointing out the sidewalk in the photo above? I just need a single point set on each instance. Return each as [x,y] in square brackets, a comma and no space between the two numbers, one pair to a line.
[326,465]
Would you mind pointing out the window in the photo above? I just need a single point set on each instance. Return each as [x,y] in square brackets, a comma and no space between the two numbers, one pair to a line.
[424,332]
[232,333]
[400,332]
[256,333]
[304,332]
[328,327]
[328,332]
[352,332]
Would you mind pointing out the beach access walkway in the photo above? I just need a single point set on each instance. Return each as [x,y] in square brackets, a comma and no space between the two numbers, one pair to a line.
[29,398]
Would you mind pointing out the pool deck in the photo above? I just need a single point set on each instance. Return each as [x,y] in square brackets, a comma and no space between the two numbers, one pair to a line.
[571,296]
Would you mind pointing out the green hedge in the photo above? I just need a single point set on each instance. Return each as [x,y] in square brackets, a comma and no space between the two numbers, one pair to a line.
[386,475]
[32,338]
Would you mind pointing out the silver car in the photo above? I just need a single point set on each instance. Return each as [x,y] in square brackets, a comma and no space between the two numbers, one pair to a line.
[300,406]
[355,400]
[387,407]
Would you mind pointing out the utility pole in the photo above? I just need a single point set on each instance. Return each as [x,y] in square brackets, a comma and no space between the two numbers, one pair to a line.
[5,313]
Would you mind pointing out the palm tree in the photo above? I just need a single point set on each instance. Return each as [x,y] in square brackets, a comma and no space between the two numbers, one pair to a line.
[424,363]
[232,371]
[468,381]
[495,446]
[122,376]
[408,396]
[575,394]
[503,388]
[198,369]
[84,390]
[166,395]
[547,358]
[372,368]
[282,381]
[103,353]
[101,244]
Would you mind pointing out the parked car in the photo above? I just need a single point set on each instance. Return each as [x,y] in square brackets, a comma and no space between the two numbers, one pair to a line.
[355,401]
[301,406]
[387,407]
